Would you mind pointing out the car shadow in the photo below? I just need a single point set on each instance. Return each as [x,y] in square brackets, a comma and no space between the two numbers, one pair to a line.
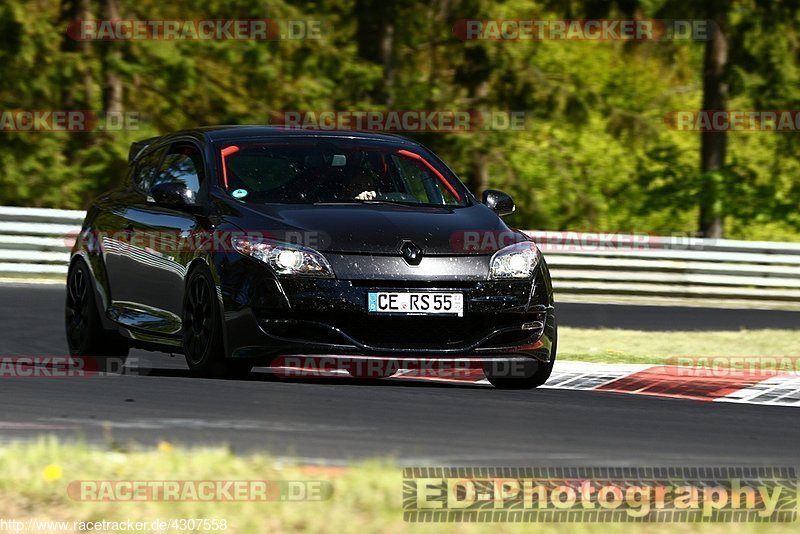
[263,375]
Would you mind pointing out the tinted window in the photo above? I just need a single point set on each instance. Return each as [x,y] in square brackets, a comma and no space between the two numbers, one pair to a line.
[311,171]
[179,168]
[146,168]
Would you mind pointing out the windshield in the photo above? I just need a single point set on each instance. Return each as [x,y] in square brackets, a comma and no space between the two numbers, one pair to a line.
[311,171]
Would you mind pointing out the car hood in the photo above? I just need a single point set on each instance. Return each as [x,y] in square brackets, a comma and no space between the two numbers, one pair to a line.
[381,228]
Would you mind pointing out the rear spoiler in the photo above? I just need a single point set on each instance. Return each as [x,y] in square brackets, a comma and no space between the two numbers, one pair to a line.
[137,147]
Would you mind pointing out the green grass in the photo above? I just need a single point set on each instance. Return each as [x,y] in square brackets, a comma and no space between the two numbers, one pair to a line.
[366,496]
[631,346]
[22,278]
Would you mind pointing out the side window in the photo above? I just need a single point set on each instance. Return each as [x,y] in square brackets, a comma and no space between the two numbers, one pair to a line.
[419,181]
[183,164]
[146,168]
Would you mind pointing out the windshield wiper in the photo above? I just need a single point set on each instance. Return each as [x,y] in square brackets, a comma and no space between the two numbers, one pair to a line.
[357,201]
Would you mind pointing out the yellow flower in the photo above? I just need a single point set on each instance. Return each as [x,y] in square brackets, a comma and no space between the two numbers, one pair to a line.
[52,472]
[166,446]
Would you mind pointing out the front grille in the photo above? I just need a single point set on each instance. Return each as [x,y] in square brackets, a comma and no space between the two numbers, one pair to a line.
[412,332]
[407,332]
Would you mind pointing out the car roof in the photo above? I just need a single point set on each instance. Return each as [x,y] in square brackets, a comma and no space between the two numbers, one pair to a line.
[230,132]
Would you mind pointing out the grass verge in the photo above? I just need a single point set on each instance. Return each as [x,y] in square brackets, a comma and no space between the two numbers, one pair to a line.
[366,496]
[632,346]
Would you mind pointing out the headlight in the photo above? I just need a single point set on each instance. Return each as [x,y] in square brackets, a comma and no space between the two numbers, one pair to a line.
[514,261]
[284,258]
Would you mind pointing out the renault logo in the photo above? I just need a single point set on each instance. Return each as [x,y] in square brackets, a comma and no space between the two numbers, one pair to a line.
[411,253]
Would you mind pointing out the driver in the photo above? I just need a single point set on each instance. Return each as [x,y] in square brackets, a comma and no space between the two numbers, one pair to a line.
[361,187]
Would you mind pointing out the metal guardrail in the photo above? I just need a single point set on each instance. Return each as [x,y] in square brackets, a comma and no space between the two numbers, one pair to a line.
[34,243]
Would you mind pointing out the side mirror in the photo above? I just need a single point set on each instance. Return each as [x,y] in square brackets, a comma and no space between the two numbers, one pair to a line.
[173,194]
[498,201]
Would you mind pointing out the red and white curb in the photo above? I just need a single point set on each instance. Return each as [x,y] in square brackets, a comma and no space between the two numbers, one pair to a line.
[692,383]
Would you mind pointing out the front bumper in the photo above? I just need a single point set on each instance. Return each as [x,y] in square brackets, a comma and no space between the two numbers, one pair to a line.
[268,316]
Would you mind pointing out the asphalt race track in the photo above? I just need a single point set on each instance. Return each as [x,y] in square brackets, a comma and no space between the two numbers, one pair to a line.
[335,420]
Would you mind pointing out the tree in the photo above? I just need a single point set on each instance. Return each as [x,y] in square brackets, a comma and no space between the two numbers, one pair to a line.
[715,97]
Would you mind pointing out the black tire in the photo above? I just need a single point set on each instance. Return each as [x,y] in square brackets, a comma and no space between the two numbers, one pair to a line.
[202,331]
[535,375]
[86,337]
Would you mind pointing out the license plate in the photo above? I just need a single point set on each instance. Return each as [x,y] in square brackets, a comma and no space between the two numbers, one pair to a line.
[422,303]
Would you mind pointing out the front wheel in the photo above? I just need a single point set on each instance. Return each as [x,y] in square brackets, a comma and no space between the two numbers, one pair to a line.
[202,331]
[86,336]
[532,375]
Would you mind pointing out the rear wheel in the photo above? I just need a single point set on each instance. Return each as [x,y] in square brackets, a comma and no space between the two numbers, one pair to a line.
[528,376]
[202,331]
[86,336]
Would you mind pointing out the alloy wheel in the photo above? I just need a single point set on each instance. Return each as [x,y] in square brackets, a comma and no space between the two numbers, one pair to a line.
[77,308]
[198,320]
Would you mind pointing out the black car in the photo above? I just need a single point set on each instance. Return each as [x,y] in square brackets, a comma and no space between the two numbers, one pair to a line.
[236,245]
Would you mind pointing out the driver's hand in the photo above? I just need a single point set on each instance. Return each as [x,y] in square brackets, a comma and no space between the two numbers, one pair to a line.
[366,195]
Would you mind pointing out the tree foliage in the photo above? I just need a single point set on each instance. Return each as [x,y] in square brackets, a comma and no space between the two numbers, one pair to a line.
[595,152]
